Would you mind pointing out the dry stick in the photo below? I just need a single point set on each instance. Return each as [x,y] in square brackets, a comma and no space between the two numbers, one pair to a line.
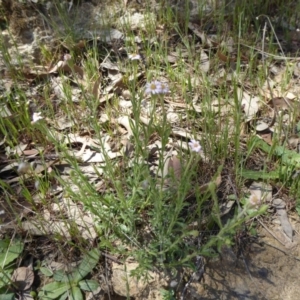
[105,278]
[263,59]
[267,76]
[276,57]
[269,231]
[277,40]
[283,251]
[196,276]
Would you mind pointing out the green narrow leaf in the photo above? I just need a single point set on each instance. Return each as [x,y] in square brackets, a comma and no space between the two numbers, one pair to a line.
[60,275]
[88,263]
[53,290]
[255,175]
[5,277]
[287,156]
[89,285]
[4,245]
[64,296]
[10,296]
[9,254]
[76,294]
[46,271]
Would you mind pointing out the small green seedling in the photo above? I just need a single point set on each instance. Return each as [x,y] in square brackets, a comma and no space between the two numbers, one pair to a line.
[167,294]
[9,252]
[70,285]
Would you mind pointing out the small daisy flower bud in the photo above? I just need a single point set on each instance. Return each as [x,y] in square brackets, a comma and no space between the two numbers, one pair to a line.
[254,201]
[36,117]
[134,56]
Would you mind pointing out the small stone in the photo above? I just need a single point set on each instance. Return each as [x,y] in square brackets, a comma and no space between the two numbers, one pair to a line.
[126,94]
[173,284]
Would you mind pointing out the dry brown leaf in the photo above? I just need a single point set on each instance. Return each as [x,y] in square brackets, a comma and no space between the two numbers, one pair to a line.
[39,169]
[267,137]
[84,221]
[197,108]
[281,103]
[64,66]
[19,149]
[125,121]
[34,72]
[61,64]
[78,70]
[86,227]
[228,44]
[250,106]
[205,41]
[106,98]
[172,117]
[40,228]
[261,126]
[22,278]
[172,59]
[62,123]
[10,166]
[91,156]
[290,96]
[226,207]
[175,167]
[205,63]
[5,111]
[116,82]
[205,186]
[297,70]
[125,107]
[76,138]
[58,86]
[31,152]
[133,77]
[92,295]
[293,141]
[265,89]
[223,57]
[110,67]
[185,134]
[129,147]
[97,87]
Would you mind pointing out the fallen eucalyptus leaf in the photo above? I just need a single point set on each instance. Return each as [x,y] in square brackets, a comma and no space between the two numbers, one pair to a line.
[175,167]
[22,278]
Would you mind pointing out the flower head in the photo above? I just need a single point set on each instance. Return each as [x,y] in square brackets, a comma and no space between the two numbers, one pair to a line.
[36,117]
[164,88]
[134,56]
[153,88]
[254,201]
[67,57]
[195,146]
[156,87]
